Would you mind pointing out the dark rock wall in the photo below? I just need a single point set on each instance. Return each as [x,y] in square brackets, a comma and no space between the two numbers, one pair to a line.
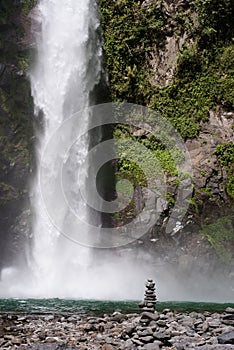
[16,131]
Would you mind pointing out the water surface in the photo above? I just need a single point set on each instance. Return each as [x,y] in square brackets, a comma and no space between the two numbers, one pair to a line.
[98,307]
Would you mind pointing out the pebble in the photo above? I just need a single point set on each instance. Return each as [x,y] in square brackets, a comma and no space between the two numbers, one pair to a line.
[146,331]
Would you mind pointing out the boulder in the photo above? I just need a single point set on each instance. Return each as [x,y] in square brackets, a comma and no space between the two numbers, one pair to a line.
[226,338]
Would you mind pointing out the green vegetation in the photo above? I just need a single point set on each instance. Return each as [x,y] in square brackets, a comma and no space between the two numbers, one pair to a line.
[204,78]
[7,193]
[225,154]
[220,235]
[203,81]
[215,22]
[134,33]
[28,5]
[143,159]
[130,30]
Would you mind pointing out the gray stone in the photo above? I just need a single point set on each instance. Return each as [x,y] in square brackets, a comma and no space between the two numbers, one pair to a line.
[147,339]
[214,347]
[128,344]
[107,347]
[152,346]
[150,315]
[161,336]
[226,338]
[136,341]
[161,323]
[229,310]
[147,331]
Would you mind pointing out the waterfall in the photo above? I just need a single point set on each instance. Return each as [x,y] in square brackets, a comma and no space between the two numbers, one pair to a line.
[67,69]
[66,72]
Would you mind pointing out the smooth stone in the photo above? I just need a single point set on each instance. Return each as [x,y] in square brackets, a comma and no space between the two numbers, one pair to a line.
[52,339]
[152,346]
[118,317]
[228,317]
[226,338]
[214,347]
[145,332]
[153,316]
[16,341]
[147,339]
[165,311]
[49,318]
[214,324]
[228,322]
[128,344]
[161,323]
[136,341]
[8,337]
[229,310]
[161,336]
[205,326]
[107,347]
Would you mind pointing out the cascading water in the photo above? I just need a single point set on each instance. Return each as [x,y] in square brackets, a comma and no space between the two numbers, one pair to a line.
[68,66]
[66,72]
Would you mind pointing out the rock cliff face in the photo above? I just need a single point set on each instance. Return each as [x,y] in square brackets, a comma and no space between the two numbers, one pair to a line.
[208,173]
[175,56]
[16,132]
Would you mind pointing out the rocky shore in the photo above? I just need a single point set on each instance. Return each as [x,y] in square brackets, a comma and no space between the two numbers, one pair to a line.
[169,329]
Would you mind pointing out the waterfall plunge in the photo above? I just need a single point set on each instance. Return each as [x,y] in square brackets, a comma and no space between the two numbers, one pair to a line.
[67,68]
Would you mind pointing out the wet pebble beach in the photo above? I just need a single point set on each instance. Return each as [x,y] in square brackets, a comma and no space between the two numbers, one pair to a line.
[148,330]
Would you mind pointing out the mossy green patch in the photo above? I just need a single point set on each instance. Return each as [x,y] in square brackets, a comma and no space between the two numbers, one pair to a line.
[134,33]
[225,154]
[220,235]
[204,78]
[130,31]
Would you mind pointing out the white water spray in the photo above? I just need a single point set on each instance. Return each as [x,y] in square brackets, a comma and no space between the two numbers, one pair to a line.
[68,66]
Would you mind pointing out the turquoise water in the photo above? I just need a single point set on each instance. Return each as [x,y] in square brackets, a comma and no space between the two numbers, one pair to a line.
[97,307]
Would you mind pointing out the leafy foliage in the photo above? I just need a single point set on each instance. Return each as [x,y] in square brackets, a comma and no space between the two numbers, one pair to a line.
[204,78]
[130,30]
[225,154]
[215,21]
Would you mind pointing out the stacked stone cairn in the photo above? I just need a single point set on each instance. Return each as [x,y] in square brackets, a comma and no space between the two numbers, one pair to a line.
[150,297]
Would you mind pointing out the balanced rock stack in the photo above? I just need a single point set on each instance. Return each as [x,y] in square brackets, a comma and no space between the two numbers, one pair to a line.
[150,297]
